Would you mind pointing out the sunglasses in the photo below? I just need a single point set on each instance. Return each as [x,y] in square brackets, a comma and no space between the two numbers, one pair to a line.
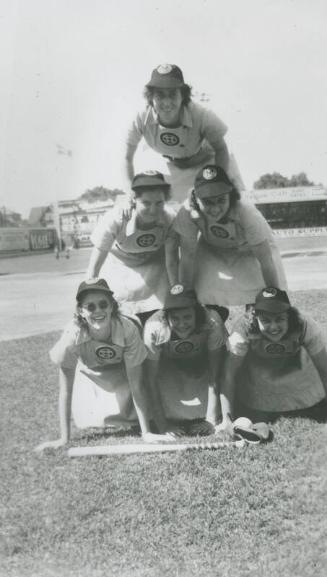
[91,307]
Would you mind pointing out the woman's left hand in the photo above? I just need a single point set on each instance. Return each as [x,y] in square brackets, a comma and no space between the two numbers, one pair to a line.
[57,444]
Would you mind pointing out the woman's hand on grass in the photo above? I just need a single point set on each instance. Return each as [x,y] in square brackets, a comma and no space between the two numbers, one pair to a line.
[226,426]
[57,444]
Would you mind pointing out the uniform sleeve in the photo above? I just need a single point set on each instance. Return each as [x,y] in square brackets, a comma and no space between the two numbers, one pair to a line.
[213,129]
[107,229]
[184,225]
[255,227]
[134,349]
[217,335]
[238,341]
[65,353]
[313,340]
[135,131]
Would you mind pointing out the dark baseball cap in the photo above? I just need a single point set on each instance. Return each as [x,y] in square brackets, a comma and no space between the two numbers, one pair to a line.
[181,298]
[166,76]
[97,284]
[149,179]
[272,300]
[211,180]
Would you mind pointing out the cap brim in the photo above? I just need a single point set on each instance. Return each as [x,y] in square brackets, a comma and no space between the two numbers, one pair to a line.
[183,303]
[166,83]
[93,289]
[272,307]
[211,189]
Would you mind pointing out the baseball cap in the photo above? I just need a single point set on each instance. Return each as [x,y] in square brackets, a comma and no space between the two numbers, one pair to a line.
[180,298]
[211,180]
[149,179]
[272,300]
[96,284]
[166,76]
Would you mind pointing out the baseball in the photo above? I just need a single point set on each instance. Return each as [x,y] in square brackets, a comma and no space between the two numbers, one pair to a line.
[243,422]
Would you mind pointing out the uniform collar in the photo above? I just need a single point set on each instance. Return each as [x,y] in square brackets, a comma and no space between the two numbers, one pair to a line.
[116,337]
[131,223]
[152,117]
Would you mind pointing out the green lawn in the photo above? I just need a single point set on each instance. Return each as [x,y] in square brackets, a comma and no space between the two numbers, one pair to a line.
[259,511]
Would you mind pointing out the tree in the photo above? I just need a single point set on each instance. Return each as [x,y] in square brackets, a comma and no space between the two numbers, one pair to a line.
[276,180]
[100,193]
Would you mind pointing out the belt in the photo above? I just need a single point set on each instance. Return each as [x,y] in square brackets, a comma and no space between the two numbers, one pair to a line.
[180,158]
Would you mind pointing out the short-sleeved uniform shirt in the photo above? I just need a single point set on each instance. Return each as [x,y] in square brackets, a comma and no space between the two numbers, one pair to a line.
[160,341]
[183,142]
[243,227]
[125,240]
[101,361]
[278,376]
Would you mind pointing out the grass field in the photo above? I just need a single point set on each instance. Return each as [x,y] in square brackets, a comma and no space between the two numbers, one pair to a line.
[259,511]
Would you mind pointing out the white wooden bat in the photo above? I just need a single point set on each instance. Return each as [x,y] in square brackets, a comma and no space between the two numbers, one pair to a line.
[137,448]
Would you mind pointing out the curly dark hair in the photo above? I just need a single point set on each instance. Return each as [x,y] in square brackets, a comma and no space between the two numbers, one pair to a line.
[79,319]
[200,315]
[186,91]
[294,321]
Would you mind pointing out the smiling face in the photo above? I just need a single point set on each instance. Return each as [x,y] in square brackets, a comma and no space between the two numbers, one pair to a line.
[96,308]
[167,103]
[182,321]
[215,206]
[273,326]
[150,206]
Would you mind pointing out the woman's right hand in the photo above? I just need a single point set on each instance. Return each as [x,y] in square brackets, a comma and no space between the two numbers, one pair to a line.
[57,444]
[126,205]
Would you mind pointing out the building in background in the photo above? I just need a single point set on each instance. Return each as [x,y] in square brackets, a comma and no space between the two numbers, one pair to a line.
[293,211]
[76,219]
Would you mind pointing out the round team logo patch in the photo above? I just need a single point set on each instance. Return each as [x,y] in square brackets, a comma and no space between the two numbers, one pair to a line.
[164,68]
[184,347]
[105,353]
[145,240]
[177,289]
[209,173]
[269,292]
[169,138]
[275,349]
[219,232]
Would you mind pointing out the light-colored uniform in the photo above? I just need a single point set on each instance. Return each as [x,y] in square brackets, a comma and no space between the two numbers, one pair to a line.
[186,147]
[135,267]
[278,376]
[183,376]
[226,271]
[101,392]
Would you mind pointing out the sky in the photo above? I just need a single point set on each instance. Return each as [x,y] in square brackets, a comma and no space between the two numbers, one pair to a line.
[72,74]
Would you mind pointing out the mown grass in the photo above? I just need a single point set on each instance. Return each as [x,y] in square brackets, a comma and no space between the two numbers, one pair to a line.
[256,511]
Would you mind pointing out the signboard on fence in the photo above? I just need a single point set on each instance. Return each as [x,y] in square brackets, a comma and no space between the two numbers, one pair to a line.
[290,194]
[301,232]
[42,239]
[14,239]
[26,239]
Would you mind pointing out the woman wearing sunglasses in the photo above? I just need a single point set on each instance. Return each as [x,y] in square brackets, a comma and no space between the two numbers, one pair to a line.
[100,356]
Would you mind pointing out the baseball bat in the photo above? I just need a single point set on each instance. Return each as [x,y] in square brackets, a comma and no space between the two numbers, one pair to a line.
[137,448]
